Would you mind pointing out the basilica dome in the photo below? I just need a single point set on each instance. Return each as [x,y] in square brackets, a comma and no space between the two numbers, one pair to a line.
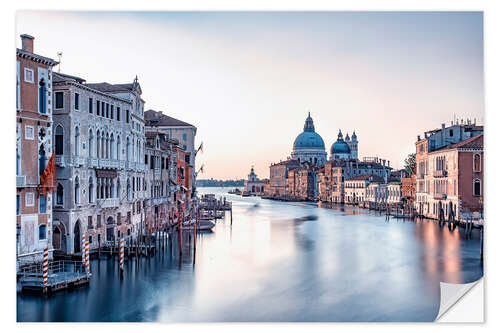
[309,139]
[309,146]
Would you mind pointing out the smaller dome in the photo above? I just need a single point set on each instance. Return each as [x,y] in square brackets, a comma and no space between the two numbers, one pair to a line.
[354,136]
[340,147]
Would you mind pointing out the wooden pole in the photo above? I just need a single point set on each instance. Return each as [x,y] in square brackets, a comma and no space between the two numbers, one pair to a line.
[45,269]
[122,257]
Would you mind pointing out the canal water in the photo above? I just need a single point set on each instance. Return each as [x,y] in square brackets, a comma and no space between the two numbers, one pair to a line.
[278,261]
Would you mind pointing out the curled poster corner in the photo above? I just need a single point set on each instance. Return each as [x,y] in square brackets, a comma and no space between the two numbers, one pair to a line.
[451,293]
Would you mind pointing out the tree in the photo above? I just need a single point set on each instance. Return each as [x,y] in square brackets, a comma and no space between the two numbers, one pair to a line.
[410,164]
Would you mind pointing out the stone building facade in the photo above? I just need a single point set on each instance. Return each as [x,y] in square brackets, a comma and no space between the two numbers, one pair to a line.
[355,188]
[161,164]
[302,184]
[278,177]
[34,115]
[99,146]
[438,168]
[179,130]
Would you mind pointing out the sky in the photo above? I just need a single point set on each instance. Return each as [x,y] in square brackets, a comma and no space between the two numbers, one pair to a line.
[247,80]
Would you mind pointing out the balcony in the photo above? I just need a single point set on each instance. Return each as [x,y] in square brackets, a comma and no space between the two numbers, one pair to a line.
[20,181]
[60,161]
[92,162]
[440,196]
[121,165]
[108,163]
[78,160]
[129,165]
[107,203]
[440,173]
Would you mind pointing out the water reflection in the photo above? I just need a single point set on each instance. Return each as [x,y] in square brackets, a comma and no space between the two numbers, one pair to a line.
[278,261]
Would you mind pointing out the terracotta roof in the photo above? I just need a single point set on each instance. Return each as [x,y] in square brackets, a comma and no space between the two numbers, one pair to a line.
[288,162]
[111,88]
[157,118]
[474,142]
[60,77]
[36,57]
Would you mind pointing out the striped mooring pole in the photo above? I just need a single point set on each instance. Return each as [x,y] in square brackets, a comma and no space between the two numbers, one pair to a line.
[122,256]
[83,252]
[87,255]
[45,269]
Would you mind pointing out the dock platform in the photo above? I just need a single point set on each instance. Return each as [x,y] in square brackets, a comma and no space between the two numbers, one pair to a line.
[63,274]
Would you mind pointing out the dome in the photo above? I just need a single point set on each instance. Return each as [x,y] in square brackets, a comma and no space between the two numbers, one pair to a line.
[340,146]
[309,138]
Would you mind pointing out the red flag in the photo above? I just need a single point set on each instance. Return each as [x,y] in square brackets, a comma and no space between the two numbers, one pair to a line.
[48,177]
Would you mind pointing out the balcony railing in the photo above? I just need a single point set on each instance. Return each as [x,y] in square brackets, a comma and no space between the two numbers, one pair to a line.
[78,160]
[20,181]
[60,161]
[108,163]
[121,164]
[439,196]
[92,162]
[110,202]
[440,173]
[129,165]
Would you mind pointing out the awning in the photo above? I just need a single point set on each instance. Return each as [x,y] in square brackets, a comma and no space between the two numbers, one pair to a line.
[180,201]
[184,188]
[172,182]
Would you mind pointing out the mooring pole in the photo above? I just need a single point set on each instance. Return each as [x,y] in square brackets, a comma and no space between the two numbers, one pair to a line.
[99,249]
[45,269]
[122,256]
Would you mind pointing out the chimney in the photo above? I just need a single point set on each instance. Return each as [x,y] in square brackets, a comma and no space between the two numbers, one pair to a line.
[418,137]
[27,43]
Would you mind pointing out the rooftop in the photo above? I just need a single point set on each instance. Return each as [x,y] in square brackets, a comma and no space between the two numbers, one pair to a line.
[157,118]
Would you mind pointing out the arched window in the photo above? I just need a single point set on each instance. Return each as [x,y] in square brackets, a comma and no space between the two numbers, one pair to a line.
[91,143]
[477,162]
[118,188]
[91,190]
[77,191]
[477,187]
[77,141]
[129,192]
[112,146]
[42,232]
[41,158]
[59,195]
[42,99]
[107,145]
[59,140]
[98,144]
[127,157]
[112,190]
[118,147]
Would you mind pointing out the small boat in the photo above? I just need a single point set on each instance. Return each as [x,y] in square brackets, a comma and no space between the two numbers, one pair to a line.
[245,194]
[203,225]
[235,191]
